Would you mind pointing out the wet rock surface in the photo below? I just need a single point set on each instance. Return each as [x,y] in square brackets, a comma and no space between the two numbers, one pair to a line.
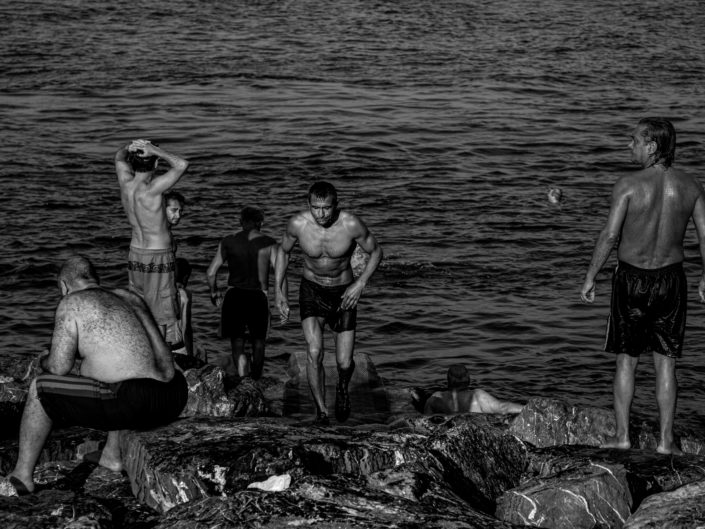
[230,461]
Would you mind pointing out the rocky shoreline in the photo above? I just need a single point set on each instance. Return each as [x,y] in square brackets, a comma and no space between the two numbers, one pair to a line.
[230,461]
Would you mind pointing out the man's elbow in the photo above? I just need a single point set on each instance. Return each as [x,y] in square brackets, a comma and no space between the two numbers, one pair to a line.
[182,165]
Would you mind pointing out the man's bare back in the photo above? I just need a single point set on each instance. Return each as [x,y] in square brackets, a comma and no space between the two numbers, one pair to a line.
[141,192]
[113,334]
[660,203]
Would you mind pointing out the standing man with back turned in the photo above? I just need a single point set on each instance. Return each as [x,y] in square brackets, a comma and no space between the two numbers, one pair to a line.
[250,255]
[150,263]
[648,217]
[328,291]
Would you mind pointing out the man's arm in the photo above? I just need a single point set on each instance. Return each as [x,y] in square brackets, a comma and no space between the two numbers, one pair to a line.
[166,181]
[281,264]
[212,274]
[489,404]
[369,244]
[607,239]
[699,221]
[122,168]
[64,342]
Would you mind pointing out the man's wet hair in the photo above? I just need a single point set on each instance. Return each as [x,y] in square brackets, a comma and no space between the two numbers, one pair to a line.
[458,377]
[182,271]
[251,215]
[663,134]
[322,190]
[77,268]
[141,164]
[174,195]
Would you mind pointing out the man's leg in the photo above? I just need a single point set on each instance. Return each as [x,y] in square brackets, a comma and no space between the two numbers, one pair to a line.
[313,332]
[257,357]
[623,396]
[344,347]
[242,363]
[110,458]
[666,396]
[34,430]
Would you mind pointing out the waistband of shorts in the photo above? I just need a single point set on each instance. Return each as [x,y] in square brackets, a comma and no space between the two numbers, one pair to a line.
[331,288]
[649,271]
[150,252]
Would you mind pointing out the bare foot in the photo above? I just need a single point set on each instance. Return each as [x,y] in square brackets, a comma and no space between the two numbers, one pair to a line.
[104,459]
[670,449]
[616,442]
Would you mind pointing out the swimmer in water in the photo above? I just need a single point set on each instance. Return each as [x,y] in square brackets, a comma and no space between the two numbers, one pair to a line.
[554,195]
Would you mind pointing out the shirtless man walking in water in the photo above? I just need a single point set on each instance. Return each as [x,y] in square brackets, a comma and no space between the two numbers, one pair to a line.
[328,291]
[648,218]
[150,263]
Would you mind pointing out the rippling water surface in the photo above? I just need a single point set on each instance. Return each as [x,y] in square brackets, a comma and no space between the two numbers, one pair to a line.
[442,124]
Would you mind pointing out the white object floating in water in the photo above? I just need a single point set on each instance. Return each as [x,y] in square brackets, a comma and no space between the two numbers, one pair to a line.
[554,195]
[272,484]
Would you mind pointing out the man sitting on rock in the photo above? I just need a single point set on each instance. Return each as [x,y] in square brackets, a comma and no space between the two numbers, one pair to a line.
[461,399]
[109,369]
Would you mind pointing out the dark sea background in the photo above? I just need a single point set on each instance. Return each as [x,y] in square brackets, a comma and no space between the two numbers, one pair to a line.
[442,123]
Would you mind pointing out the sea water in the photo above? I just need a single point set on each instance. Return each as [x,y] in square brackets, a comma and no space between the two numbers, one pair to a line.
[442,124]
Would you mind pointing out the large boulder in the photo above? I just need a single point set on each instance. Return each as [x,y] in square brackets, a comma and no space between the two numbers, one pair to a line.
[681,508]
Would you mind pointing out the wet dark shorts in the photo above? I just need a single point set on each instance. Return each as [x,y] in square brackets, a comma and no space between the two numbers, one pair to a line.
[648,309]
[245,309]
[71,400]
[324,302]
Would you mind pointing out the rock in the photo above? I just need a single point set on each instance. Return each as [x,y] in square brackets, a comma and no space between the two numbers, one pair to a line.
[586,497]
[248,399]
[480,459]
[550,422]
[579,486]
[327,502]
[682,508]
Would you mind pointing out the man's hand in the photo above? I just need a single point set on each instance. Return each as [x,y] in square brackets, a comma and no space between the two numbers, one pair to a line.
[283,305]
[587,293]
[701,289]
[216,298]
[143,147]
[352,296]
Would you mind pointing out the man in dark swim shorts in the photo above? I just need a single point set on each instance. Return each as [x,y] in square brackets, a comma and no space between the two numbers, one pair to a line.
[250,255]
[108,368]
[329,292]
[648,217]
[647,312]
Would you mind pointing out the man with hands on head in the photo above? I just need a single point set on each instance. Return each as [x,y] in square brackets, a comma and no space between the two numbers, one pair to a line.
[151,259]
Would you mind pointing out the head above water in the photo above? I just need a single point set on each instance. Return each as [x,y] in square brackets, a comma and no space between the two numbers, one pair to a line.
[458,377]
[75,271]
[251,217]
[661,132]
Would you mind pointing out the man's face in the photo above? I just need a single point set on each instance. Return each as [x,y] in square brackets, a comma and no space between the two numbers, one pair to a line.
[174,211]
[639,147]
[323,210]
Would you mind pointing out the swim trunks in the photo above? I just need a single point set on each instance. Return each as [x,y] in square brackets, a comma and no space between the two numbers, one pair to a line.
[647,311]
[242,309]
[71,400]
[151,274]
[324,302]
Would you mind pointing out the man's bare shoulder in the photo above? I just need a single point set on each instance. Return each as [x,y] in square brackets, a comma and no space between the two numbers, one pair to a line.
[351,222]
